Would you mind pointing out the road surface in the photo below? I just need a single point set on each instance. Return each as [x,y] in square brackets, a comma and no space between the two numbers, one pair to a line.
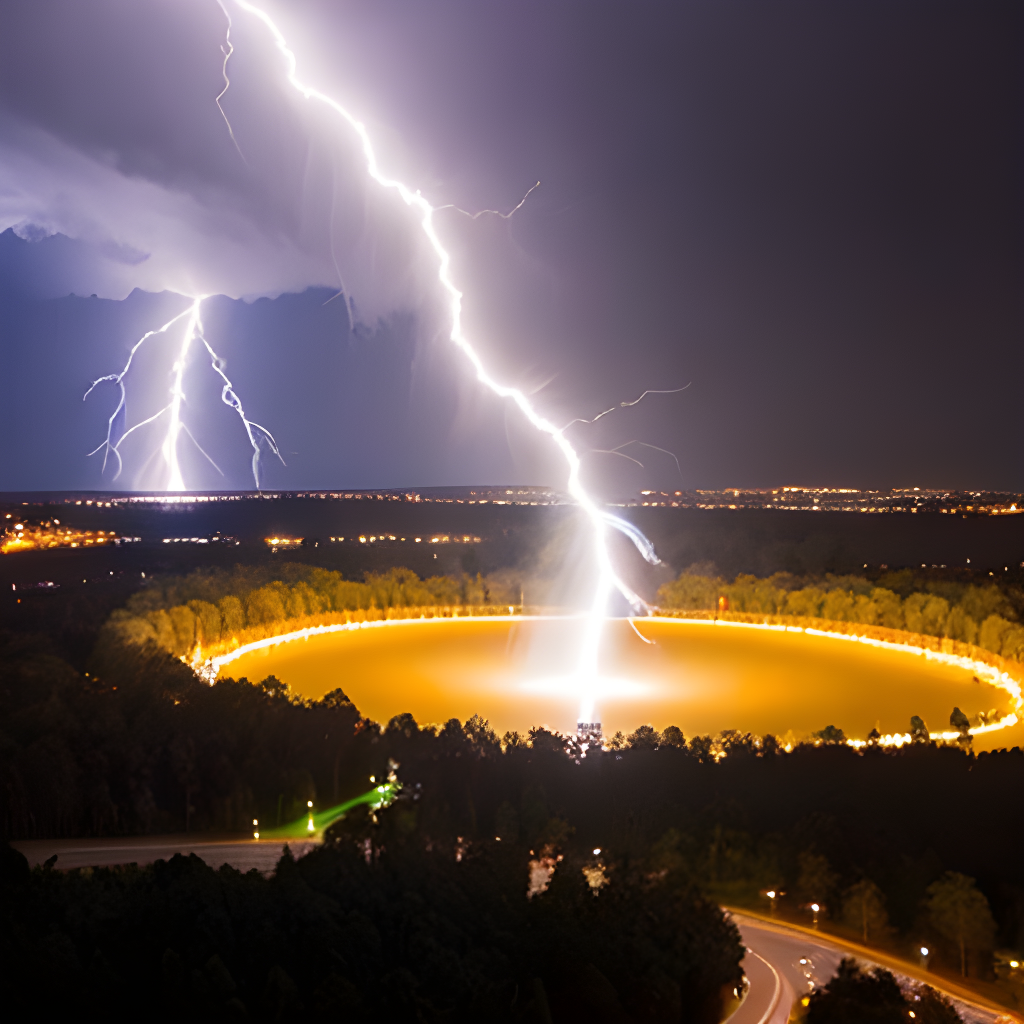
[241,852]
[784,964]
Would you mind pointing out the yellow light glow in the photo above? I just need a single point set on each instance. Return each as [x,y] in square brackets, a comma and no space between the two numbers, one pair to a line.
[430,662]
[42,538]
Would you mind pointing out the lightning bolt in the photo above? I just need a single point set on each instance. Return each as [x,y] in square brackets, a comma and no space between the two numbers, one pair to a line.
[600,521]
[117,417]
[496,213]
[259,437]
[643,444]
[227,50]
[625,405]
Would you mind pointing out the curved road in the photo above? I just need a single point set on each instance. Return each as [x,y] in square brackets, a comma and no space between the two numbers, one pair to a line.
[782,963]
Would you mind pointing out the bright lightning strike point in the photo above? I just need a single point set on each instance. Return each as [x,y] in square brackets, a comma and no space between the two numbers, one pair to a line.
[608,579]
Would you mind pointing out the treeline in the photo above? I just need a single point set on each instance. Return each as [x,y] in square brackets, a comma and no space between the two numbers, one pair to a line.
[399,933]
[213,607]
[973,614]
[142,746]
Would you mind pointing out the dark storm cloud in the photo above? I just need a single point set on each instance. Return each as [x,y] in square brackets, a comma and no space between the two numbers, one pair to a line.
[812,212]
[110,134]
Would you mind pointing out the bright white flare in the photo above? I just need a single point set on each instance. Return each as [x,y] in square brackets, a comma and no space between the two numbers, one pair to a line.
[608,579]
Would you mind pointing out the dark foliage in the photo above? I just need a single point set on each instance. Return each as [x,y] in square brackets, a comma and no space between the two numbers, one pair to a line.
[140,745]
[855,996]
[399,935]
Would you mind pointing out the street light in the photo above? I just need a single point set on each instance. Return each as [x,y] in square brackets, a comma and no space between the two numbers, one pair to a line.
[772,894]
[815,908]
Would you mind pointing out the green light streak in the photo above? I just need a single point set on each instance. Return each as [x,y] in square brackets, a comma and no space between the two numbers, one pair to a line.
[376,798]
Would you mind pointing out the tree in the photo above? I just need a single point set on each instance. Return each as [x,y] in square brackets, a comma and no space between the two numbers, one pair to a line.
[931,1007]
[690,591]
[673,737]
[830,734]
[506,823]
[960,626]
[864,909]
[817,881]
[749,594]
[646,737]
[854,996]
[981,602]
[232,615]
[807,601]
[961,914]
[702,748]
[992,632]
[926,613]
[1013,643]
[918,730]
[959,721]
[888,608]
[839,606]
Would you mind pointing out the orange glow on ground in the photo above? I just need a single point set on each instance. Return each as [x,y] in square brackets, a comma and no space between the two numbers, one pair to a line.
[701,677]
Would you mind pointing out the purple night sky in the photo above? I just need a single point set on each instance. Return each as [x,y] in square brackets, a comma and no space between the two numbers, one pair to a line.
[809,213]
